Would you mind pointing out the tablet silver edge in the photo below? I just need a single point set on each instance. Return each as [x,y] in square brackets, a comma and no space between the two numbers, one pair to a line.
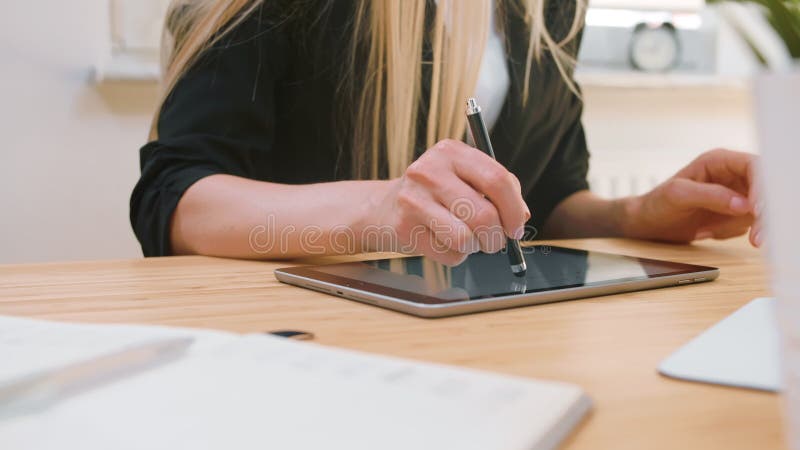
[493,303]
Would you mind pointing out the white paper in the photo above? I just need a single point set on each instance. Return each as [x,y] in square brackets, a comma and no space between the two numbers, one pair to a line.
[742,350]
[263,392]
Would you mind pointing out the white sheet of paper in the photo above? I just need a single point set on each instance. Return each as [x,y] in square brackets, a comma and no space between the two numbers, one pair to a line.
[742,350]
[263,392]
[28,346]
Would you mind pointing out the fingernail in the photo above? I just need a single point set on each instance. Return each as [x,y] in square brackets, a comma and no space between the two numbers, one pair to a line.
[527,213]
[520,233]
[757,238]
[701,235]
[739,204]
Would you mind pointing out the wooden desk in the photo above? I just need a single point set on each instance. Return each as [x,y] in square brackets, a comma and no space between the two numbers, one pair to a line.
[610,345]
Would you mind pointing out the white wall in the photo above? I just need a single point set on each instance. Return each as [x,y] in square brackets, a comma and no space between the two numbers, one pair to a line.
[640,137]
[69,151]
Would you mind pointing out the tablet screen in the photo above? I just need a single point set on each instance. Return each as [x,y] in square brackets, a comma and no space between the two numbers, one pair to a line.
[483,275]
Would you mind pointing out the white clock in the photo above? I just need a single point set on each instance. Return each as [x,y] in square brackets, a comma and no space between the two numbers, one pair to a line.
[655,48]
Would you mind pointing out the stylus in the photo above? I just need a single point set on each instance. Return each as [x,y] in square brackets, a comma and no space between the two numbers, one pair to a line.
[481,137]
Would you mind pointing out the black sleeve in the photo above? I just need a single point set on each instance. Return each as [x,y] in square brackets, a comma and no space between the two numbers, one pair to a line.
[568,167]
[219,119]
[565,173]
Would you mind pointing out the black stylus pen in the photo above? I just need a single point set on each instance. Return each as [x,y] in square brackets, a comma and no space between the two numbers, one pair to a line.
[481,137]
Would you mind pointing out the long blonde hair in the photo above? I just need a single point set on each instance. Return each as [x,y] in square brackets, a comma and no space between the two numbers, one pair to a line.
[392,32]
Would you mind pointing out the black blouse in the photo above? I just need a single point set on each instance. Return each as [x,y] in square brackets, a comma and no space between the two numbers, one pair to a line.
[264,103]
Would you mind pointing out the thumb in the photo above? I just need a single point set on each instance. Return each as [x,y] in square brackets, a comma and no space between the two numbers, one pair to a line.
[717,198]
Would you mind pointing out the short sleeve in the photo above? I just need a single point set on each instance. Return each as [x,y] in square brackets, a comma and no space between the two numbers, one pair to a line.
[218,119]
[566,172]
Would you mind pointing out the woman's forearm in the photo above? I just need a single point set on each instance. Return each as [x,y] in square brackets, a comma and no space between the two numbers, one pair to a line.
[584,214]
[223,215]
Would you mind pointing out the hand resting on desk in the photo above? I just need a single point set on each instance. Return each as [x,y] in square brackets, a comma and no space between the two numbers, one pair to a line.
[714,196]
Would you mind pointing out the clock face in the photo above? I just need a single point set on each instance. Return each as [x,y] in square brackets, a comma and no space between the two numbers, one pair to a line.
[655,49]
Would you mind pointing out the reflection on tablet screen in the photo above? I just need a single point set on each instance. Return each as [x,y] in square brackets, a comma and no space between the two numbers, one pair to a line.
[483,275]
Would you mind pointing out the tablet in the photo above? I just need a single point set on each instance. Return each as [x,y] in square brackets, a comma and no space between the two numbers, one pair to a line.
[419,286]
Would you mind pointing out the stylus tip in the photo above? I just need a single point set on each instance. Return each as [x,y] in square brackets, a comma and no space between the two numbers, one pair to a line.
[519,269]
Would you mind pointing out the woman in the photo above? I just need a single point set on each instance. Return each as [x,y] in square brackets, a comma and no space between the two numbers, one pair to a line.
[323,127]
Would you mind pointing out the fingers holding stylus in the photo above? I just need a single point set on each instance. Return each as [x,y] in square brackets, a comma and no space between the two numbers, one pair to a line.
[431,247]
[478,213]
[500,186]
[425,226]
[489,178]
[448,230]
[453,201]
[475,189]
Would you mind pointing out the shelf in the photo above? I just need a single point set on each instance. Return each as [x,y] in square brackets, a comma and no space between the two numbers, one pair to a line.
[639,80]
[659,5]
[131,66]
[145,67]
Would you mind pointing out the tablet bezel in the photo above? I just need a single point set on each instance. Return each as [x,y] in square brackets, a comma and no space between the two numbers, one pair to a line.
[310,273]
[432,307]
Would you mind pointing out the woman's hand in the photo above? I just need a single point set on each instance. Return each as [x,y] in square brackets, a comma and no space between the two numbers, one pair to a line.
[713,197]
[454,200]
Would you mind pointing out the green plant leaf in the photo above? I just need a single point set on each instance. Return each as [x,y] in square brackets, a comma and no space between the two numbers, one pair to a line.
[784,17]
[787,23]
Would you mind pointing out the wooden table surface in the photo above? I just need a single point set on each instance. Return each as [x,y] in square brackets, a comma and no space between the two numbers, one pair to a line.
[609,345]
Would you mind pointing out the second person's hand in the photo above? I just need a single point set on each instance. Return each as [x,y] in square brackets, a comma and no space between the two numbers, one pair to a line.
[453,201]
[712,197]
